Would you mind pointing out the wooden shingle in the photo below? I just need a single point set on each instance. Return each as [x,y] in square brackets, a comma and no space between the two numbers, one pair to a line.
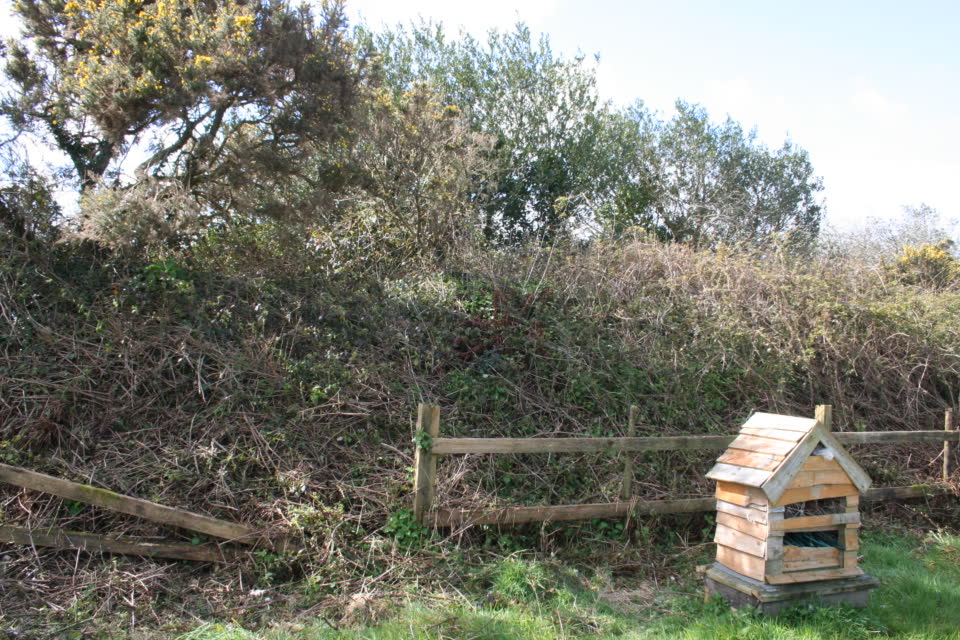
[771,449]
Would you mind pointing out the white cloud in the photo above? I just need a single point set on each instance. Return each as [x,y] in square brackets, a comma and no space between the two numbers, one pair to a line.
[868,103]
[877,154]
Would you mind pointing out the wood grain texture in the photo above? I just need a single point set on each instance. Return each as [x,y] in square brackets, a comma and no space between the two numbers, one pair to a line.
[758,530]
[810,576]
[518,515]
[819,463]
[759,444]
[58,539]
[823,413]
[806,522]
[792,566]
[947,444]
[454,446]
[751,459]
[425,462]
[129,505]
[899,493]
[857,475]
[740,541]
[738,475]
[774,559]
[450,446]
[851,539]
[817,492]
[626,488]
[777,421]
[756,515]
[893,437]
[740,495]
[777,485]
[775,434]
[743,563]
[810,478]
[828,555]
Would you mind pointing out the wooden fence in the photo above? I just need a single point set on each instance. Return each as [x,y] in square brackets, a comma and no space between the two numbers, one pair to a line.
[431,446]
[152,511]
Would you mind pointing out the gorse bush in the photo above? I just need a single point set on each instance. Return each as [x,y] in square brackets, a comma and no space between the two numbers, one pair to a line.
[875,241]
[175,117]
[928,265]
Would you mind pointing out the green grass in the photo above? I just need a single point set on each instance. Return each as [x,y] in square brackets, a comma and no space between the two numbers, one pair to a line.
[918,600]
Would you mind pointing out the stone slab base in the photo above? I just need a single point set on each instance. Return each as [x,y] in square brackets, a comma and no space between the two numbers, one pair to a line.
[771,599]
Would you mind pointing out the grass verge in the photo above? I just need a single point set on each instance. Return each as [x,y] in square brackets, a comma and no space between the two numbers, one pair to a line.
[527,601]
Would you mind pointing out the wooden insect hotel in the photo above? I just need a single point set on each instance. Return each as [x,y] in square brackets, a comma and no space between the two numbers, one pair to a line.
[788,522]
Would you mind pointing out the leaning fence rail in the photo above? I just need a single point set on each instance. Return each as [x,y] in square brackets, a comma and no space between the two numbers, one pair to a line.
[430,446]
[172,516]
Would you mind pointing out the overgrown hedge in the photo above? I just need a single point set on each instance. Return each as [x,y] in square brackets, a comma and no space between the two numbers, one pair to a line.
[285,395]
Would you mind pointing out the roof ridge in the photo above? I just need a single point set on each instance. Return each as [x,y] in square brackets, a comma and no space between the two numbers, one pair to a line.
[780,457]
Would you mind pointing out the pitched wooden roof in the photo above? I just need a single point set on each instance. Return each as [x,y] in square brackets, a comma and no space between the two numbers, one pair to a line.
[770,450]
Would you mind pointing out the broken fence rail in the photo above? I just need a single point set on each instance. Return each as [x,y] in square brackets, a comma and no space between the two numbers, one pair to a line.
[94,543]
[152,511]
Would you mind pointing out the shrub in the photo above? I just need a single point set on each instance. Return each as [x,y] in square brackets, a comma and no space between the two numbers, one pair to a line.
[927,265]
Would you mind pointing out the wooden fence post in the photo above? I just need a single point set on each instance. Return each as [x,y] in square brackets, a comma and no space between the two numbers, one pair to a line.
[824,415]
[627,488]
[425,462]
[947,445]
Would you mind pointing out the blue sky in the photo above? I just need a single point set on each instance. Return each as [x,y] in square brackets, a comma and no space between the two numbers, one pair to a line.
[870,89]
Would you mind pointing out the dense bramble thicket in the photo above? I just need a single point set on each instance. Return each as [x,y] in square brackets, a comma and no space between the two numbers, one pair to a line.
[250,378]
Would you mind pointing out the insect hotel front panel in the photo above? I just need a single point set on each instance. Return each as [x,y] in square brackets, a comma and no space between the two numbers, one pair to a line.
[787,513]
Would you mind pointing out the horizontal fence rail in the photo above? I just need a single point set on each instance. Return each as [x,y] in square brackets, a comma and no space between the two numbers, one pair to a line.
[435,446]
[520,515]
[457,446]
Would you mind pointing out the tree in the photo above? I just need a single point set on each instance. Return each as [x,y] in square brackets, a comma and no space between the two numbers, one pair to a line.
[228,99]
[28,209]
[695,181]
[541,111]
[564,160]
[415,158]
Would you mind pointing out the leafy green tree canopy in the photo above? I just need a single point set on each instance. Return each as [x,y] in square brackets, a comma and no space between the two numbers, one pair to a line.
[564,160]
[696,181]
[541,111]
